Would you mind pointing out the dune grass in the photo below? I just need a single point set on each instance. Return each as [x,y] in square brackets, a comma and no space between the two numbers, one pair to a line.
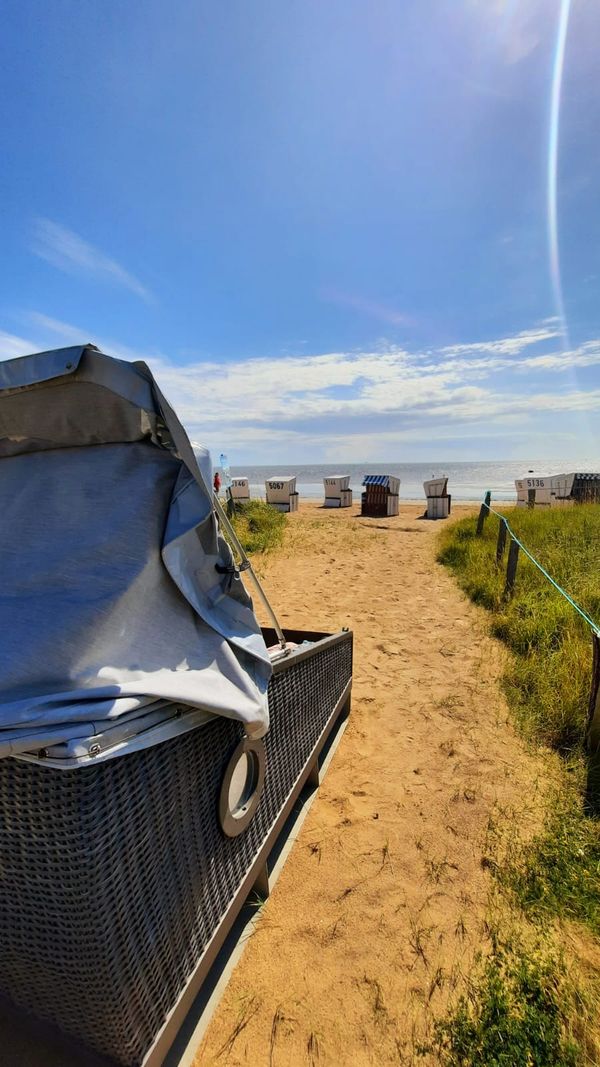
[556,873]
[520,1007]
[259,527]
[548,681]
[517,1011]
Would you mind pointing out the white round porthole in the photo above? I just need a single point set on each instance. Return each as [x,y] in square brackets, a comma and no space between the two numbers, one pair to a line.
[242,787]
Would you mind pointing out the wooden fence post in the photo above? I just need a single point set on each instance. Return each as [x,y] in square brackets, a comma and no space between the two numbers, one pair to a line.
[501,542]
[511,567]
[483,513]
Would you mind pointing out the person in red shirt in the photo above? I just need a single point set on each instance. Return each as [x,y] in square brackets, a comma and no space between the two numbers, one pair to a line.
[217,482]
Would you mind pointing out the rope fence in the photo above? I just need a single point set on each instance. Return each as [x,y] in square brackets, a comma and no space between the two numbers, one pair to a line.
[505,531]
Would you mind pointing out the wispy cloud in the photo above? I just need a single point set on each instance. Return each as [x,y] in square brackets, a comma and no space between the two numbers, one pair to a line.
[367,404]
[507,346]
[57,333]
[12,346]
[65,249]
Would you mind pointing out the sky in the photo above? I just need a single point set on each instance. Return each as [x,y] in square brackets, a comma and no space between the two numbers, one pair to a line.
[337,230]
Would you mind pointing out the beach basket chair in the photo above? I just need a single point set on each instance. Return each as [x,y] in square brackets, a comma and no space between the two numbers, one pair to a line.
[380,497]
[151,748]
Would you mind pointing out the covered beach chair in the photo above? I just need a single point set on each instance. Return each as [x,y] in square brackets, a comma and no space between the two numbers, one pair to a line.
[439,501]
[150,746]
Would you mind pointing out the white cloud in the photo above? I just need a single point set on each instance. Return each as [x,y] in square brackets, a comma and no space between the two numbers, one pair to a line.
[587,355]
[506,346]
[69,252]
[360,405]
[11,346]
[64,333]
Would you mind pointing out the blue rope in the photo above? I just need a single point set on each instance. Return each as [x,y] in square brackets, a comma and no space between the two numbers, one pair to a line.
[535,562]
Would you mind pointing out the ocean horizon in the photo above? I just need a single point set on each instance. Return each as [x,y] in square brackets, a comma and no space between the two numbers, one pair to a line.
[466,481]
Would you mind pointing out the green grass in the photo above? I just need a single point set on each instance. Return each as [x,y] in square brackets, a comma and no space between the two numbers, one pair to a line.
[557,872]
[548,681]
[518,1009]
[259,527]
[515,1013]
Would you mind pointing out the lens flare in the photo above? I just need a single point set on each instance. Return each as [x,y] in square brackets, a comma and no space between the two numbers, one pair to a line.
[552,181]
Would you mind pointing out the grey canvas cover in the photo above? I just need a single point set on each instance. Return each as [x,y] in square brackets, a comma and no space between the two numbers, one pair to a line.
[117,592]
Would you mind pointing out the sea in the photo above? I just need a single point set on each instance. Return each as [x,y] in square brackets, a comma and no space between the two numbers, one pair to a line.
[466,481]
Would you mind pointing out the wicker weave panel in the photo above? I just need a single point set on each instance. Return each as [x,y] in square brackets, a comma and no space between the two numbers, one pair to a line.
[113,878]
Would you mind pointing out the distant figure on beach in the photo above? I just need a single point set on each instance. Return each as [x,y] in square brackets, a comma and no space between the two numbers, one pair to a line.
[217,482]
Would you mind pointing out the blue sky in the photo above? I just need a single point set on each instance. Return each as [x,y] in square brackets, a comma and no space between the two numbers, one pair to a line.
[325,224]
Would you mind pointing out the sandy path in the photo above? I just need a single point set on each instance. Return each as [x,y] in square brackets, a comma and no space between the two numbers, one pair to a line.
[378,911]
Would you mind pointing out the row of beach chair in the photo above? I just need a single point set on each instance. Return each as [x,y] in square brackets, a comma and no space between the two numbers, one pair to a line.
[380,496]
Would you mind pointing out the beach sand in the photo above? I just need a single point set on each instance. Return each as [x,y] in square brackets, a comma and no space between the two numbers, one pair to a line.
[380,908]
